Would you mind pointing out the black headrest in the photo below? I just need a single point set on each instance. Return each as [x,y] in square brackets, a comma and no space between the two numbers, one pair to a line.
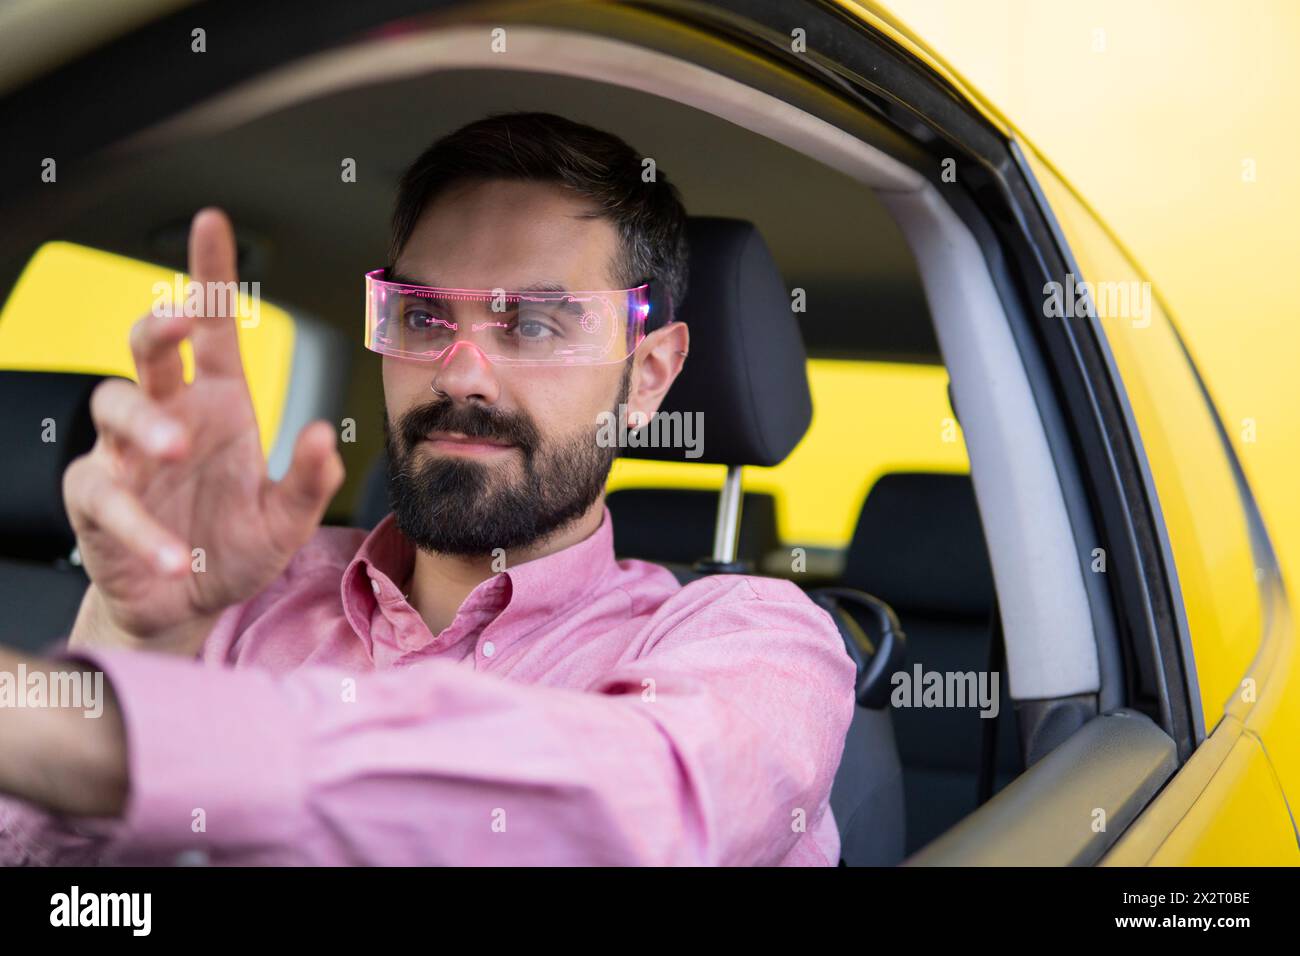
[45,425]
[675,525]
[919,546]
[746,370]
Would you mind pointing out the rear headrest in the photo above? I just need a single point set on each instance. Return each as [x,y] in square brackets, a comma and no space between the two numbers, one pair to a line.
[46,424]
[919,546]
[746,371]
[675,525]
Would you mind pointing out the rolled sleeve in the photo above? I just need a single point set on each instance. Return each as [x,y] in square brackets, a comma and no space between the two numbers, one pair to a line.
[30,836]
[214,762]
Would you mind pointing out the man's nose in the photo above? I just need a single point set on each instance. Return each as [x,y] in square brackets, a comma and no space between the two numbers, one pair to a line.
[464,373]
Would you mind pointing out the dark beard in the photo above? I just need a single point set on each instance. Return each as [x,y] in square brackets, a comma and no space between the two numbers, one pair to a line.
[466,508]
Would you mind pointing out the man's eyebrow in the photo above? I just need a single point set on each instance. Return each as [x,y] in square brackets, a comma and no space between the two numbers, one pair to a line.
[392,275]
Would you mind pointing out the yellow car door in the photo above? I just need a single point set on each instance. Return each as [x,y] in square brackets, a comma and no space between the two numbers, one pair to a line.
[1227,804]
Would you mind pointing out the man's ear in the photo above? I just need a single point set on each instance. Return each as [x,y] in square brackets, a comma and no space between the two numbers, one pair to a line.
[656,366]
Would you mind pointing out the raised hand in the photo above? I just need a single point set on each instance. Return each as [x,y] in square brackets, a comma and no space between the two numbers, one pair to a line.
[180,466]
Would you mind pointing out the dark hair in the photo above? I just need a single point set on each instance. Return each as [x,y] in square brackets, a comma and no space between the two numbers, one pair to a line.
[542,147]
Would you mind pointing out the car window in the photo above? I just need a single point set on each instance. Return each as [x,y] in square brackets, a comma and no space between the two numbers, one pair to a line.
[99,296]
[1195,485]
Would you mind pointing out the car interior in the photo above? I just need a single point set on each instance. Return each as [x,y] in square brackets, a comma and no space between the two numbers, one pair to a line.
[818,467]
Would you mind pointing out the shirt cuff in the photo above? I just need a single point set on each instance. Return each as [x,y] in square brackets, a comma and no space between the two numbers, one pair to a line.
[213,759]
[31,836]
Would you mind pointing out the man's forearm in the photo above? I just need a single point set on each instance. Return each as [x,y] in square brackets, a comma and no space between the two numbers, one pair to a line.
[58,757]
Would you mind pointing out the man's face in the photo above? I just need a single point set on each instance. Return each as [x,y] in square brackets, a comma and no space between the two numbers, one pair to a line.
[509,455]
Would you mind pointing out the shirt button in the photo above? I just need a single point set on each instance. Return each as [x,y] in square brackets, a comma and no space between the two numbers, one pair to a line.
[374,586]
[489,648]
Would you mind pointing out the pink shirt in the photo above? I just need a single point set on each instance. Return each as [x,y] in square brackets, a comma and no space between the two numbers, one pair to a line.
[577,710]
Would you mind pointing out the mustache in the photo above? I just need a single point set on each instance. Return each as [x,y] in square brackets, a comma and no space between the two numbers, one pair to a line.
[474,421]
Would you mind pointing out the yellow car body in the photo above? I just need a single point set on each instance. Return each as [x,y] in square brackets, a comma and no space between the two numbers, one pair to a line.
[1233,800]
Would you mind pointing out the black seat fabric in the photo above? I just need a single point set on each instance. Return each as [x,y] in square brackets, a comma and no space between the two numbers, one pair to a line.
[46,425]
[746,374]
[867,795]
[372,501]
[38,602]
[919,545]
[642,515]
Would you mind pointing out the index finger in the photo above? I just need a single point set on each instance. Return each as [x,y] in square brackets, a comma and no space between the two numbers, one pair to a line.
[213,266]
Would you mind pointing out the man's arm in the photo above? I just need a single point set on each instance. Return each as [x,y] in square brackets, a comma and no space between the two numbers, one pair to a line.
[58,758]
[717,747]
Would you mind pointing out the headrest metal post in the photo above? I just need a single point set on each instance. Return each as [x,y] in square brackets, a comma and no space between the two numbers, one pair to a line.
[726,533]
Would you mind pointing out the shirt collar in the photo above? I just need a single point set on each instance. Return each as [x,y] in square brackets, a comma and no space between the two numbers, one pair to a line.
[528,595]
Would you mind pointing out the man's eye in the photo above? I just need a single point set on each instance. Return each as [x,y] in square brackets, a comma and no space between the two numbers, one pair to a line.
[531,328]
[417,320]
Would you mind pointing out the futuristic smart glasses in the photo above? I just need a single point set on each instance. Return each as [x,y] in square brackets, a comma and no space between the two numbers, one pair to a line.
[541,326]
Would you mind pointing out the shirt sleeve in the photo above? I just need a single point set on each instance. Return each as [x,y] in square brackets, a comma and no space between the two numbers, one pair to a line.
[32,836]
[717,746]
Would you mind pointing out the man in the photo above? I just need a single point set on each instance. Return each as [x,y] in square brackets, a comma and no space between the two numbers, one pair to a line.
[330,696]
